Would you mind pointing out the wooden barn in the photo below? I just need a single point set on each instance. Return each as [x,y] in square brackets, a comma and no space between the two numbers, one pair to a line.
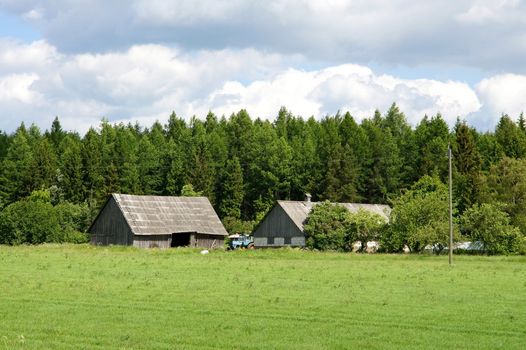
[157,221]
[283,225]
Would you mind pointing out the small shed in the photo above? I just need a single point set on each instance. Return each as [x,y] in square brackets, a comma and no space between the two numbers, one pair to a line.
[283,224]
[157,221]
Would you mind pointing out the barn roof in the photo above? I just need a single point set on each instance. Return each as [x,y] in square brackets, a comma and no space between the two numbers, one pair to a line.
[298,211]
[157,215]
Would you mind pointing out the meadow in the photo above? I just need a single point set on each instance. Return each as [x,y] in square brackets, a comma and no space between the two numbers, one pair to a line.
[79,296]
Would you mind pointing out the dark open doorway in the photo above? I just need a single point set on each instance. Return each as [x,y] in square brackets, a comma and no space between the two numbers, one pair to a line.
[180,239]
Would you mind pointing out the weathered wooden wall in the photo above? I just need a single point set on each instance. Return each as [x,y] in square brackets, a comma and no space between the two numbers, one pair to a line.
[206,241]
[164,241]
[277,230]
[110,227]
[152,241]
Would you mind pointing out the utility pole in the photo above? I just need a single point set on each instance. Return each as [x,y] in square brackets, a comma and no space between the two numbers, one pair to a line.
[450,205]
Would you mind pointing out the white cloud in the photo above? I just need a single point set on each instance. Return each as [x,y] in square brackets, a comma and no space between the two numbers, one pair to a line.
[16,56]
[502,94]
[147,82]
[346,87]
[17,88]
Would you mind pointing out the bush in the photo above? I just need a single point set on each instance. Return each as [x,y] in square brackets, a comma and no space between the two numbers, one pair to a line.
[28,221]
[233,225]
[489,224]
[34,220]
[328,227]
[366,226]
[420,217]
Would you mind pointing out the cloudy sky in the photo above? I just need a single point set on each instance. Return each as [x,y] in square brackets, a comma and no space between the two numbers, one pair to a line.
[140,59]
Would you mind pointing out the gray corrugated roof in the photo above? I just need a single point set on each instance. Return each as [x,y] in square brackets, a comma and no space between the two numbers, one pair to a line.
[298,211]
[153,215]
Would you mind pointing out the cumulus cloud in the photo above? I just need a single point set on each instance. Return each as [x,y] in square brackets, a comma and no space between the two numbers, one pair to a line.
[348,87]
[17,88]
[502,94]
[390,32]
[147,82]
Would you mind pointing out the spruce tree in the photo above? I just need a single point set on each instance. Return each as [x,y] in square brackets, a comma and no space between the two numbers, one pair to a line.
[175,178]
[232,190]
[467,166]
[149,167]
[56,134]
[16,173]
[94,168]
[70,164]
[511,138]
[44,165]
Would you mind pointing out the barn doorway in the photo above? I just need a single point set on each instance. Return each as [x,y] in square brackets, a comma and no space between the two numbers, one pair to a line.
[180,240]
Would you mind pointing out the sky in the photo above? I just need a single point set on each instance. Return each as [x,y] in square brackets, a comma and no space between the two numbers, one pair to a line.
[139,60]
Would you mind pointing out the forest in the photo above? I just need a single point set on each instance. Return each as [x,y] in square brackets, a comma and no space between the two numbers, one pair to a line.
[243,165]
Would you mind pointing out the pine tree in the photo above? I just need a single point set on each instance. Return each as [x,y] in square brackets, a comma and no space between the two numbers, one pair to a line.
[232,190]
[70,164]
[44,164]
[431,140]
[201,170]
[4,144]
[349,176]
[94,168]
[511,138]
[402,134]
[16,173]
[384,170]
[467,166]
[217,146]
[332,183]
[357,154]
[56,134]
[175,178]
[126,148]
[522,122]
[149,167]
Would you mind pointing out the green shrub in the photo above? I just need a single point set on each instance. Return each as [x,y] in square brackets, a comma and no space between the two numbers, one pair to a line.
[233,225]
[366,226]
[328,227]
[490,224]
[28,221]
[420,217]
[34,220]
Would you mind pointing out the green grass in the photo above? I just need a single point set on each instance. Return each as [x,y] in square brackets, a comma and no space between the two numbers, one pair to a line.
[123,298]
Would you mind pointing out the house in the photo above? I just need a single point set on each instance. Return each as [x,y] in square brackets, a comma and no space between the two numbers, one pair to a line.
[283,224]
[157,221]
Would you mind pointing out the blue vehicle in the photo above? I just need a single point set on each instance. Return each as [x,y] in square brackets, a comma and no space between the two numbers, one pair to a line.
[240,241]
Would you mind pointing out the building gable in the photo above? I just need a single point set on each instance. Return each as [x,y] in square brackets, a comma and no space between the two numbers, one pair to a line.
[110,226]
[276,228]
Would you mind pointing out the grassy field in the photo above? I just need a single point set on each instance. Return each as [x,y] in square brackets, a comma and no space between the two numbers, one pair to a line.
[123,298]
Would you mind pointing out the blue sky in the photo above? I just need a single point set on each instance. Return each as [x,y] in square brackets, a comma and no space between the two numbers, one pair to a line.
[138,60]
[15,27]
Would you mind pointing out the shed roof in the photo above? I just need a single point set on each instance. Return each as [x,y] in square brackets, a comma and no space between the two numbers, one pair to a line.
[298,210]
[157,215]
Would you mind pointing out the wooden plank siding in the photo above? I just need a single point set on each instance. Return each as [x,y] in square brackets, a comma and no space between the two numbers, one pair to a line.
[152,241]
[207,241]
[277,229]
[165,241]
[111,227]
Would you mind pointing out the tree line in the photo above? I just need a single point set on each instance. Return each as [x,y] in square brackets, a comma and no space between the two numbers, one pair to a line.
[243,164]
